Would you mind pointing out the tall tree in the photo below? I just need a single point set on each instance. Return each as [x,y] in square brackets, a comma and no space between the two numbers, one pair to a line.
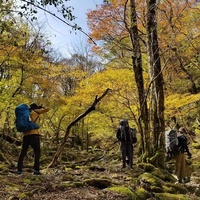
[138,72]
[156,76]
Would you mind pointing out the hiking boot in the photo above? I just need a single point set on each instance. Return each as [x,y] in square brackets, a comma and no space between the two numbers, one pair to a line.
[19,172]
[36,172]
[180,180]
[186,180]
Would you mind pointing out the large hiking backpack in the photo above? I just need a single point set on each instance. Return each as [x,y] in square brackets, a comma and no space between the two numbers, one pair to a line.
[23,121]
[171,142]
[133,135]
[132,131]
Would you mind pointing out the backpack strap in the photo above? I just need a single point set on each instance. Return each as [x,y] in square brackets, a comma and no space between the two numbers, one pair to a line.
[37,116]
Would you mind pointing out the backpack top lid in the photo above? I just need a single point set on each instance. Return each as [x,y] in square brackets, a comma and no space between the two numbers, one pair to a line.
[22,107]
[170,132]
[124,122]
[170,137]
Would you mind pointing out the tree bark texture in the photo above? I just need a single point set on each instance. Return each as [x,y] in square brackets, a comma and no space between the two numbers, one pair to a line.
[157,94]
[138,73]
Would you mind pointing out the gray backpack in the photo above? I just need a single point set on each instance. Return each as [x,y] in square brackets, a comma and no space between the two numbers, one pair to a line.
[171,143]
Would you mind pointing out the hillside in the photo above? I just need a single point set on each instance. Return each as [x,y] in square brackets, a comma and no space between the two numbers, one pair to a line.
[96,175]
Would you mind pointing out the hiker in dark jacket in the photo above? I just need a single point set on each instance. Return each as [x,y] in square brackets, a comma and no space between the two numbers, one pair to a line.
[124,136]
[181,167]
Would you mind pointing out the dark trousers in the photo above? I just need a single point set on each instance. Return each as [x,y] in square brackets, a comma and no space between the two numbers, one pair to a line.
[127,151]
[34,142]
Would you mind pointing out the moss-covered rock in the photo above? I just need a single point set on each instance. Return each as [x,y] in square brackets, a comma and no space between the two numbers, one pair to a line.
[125,191]
[156,189]
[76,184]
[169,189]
[148,180]
[168,196]
[175,188]
[157,172]
[142,194]
[147,167]
[164,175]
[98,182]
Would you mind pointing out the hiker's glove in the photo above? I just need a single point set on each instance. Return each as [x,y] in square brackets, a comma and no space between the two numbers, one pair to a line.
[189,155]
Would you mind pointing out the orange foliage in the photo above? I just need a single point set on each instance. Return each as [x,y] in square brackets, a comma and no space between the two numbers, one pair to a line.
[108,22]
[179,37]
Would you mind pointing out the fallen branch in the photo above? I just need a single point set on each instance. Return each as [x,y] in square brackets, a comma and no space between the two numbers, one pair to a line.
[10,139]
[90,109]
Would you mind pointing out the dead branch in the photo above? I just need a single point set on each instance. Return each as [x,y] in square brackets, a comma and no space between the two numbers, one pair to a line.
[90,109]
[10,139]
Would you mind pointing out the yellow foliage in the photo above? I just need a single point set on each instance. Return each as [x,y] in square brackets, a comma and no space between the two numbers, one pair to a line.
[175,102]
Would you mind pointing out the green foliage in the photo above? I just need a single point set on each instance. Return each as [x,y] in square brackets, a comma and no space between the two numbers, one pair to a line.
[31,8]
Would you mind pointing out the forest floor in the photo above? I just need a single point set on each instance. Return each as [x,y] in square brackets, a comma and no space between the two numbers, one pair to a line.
[96,177]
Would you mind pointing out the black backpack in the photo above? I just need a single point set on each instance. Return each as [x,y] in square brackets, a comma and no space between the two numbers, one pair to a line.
[133,135]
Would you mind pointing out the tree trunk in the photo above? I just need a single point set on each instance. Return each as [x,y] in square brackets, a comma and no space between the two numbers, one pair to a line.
[157,94]
[90,109]
[138,72]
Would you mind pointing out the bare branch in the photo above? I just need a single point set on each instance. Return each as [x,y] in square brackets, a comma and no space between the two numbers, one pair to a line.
[90,109]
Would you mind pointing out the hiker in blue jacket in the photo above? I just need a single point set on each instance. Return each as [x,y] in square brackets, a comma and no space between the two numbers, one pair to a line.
[32,138]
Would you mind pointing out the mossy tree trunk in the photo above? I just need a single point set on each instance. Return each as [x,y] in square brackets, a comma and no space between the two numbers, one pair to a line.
[156,121]
[156,76]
